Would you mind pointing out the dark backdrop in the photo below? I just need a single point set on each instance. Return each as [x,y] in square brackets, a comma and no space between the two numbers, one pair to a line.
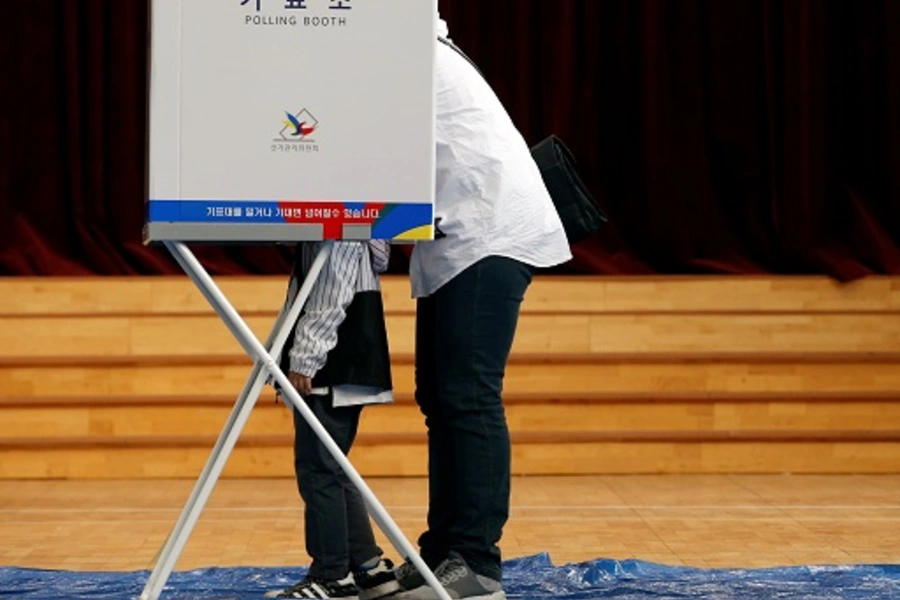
[738,136]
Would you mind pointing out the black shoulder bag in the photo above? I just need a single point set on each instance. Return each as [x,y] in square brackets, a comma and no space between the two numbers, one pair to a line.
[578,211]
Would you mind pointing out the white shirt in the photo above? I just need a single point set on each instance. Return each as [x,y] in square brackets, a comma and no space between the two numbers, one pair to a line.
[490,199]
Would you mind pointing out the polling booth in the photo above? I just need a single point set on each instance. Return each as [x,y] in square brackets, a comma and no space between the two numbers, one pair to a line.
[279,121]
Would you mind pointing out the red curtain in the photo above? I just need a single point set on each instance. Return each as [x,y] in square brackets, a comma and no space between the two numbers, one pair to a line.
[748,136]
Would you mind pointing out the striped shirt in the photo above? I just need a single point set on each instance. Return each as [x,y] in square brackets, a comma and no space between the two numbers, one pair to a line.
[353,267]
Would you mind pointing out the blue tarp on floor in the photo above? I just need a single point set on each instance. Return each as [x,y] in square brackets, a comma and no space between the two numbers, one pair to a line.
[531,578]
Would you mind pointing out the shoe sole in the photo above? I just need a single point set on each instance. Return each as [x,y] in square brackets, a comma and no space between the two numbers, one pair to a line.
[413,595]
[275,595]
[380,591]
[499,595]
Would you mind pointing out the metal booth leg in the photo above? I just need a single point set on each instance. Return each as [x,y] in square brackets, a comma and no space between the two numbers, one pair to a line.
[264,366]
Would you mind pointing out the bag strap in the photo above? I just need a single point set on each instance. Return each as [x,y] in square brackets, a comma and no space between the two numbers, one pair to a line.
[556,145]
[459,51]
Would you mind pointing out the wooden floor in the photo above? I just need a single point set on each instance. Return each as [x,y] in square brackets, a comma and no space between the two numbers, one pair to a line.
[134,378]
[696,520]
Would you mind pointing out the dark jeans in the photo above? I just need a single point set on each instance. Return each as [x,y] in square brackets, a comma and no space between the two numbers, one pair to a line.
[464,333]
[339,534]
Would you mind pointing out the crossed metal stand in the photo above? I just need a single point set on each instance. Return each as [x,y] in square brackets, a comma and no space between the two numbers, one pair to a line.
[264,367]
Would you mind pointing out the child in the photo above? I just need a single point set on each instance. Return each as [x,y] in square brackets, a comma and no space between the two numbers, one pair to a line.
[338,361]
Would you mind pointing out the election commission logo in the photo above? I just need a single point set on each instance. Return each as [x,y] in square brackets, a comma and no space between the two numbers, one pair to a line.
[298,127]
[296,133]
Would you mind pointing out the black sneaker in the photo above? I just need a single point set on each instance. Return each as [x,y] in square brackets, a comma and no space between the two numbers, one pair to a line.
[377,582]
[459,581]
[408,576]
[312,587]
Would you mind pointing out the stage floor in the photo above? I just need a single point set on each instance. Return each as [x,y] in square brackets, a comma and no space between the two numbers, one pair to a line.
[699,521]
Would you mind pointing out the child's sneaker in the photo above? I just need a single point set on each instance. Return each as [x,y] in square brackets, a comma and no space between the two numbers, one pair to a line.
[408,576]
[312,587]
[377,582]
